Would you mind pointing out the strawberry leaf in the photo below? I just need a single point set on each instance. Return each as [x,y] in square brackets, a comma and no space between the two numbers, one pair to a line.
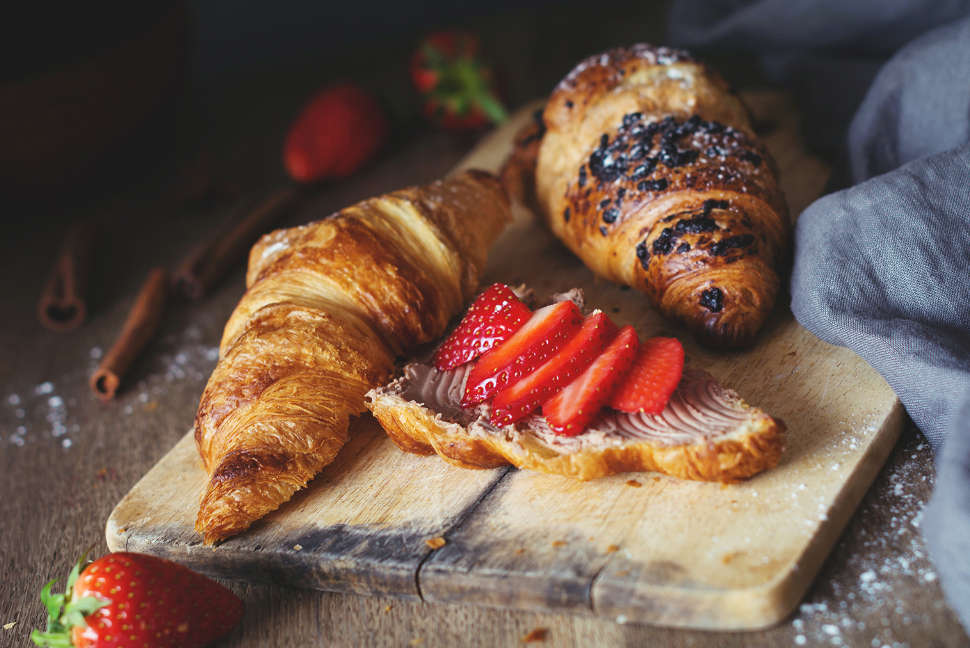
[75,611]
[58,639]
[53,602]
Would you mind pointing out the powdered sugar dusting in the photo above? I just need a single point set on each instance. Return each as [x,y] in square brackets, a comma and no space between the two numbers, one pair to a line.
[43,413]
[882,552]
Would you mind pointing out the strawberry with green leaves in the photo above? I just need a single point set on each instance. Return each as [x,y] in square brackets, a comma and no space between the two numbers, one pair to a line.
[457,87]
[124,600]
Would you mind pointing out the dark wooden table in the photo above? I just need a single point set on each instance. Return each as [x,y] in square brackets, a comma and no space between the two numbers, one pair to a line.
[66,458]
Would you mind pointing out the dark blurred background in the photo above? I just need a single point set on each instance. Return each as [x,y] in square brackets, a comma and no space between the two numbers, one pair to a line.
[96,98]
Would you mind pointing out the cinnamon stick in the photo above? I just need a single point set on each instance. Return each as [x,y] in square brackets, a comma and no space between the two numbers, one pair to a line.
[201,269]
[142,321]
[62,305]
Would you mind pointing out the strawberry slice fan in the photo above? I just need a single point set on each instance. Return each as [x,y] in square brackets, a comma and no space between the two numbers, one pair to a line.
[556,360]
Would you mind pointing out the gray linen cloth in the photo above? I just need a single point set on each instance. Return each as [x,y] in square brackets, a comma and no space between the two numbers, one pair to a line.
[883,265]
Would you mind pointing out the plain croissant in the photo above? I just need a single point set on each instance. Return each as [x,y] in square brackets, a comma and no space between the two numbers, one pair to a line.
[650,172]
[327,307]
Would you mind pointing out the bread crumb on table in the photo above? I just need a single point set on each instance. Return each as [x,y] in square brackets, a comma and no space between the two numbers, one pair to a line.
[536,634]
[558,543]
[436,543]
[612,548]
[634,483]
[7,626]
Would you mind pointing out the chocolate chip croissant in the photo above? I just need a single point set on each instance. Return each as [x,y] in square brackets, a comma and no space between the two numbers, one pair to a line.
[649,171]
[327,307]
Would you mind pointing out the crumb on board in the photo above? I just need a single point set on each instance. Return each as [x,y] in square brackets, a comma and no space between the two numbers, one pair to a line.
[8,626]
[612,548]
[558,543]
[297,547]
[387,608]
[634,483]
[519,551]
[417,641]
[436,543]
[536,634]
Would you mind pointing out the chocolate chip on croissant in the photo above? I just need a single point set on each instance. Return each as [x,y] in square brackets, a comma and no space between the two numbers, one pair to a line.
[650,172]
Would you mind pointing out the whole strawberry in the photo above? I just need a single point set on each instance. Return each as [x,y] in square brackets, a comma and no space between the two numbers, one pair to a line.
[128,599]
[335,134]
[456,85]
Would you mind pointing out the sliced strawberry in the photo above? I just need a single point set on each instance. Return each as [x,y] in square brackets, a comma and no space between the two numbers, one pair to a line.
[571,410]
[542,336]
[524,396]
[491,319]
[653,377]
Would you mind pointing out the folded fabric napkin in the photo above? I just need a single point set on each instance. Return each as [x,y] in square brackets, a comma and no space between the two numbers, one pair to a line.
[883,265]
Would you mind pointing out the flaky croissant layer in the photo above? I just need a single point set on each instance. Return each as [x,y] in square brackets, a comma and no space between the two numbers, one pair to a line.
[327,307]
[650,172]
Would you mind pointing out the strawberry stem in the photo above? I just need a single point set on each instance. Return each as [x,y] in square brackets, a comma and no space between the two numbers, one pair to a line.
[64,611]
[463,85]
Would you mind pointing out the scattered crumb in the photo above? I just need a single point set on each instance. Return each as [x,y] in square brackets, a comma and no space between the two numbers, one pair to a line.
[612,548]
[621,619]
[536,634]
[436,543]
[297,547]
[634,483]
[519,551]
[105,474]
[7,626]
[417,641]
[656,479]
[387,608]
[558,543]
[151,406]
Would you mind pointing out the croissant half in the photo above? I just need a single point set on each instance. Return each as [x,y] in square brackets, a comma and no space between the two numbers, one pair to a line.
[650,172]
[327,307]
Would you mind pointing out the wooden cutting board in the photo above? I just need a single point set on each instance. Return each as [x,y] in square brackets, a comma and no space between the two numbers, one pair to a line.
[636,547]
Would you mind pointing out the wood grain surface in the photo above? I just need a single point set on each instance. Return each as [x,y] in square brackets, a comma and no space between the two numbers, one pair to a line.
[66,459]
[667,551]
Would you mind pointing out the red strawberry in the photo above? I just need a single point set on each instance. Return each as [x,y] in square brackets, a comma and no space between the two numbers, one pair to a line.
[538,339]
[457,86]
[571,410]
[128,599]
[490,320]
[520,399]
[653,377]
[336,133]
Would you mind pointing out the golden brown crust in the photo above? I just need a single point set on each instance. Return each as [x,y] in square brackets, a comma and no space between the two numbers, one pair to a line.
[753,447]
[518,172]
[326,308]
[650,172]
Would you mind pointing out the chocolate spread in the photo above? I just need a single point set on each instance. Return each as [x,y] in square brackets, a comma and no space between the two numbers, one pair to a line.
[700,409]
